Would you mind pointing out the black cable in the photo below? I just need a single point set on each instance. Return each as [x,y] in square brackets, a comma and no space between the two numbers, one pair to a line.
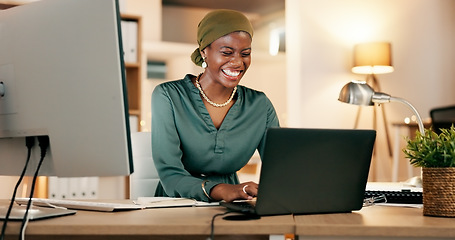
[29,142]
[43,144]
[212,225]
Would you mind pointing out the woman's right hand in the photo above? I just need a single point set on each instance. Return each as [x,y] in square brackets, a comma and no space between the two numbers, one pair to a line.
[229,192]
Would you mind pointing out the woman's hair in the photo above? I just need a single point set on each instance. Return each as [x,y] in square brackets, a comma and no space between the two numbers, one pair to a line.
[216,24]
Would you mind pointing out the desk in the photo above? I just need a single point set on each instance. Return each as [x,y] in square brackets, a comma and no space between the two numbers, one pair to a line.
[163,223]
[375,222]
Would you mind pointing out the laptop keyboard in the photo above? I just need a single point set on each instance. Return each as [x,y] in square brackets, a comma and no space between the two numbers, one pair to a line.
[246,205]
[241,206]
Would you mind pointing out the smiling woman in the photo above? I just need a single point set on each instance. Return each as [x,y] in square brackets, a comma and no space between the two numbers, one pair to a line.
[206,127]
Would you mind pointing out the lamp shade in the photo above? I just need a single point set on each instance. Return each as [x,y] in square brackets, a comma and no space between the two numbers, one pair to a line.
[372,58]
[357,93]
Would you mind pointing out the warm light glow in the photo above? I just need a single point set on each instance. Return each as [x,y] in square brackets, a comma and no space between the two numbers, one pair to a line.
[407,120]
[274,46]
[372,69]
[372,58]
[359,81]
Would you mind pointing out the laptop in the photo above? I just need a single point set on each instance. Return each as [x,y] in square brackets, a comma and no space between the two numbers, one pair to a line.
[311,171]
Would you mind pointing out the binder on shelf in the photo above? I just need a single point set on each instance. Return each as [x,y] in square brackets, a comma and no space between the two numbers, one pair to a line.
[134,123]
[63,188]
[73,187]
[52,187]
[129,38]
[93,183]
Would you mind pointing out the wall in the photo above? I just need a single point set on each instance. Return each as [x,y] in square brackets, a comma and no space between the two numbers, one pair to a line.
[322,34]
[151,13]
[7,186]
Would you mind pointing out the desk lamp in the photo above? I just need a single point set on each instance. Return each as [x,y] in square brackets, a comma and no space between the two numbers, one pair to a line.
[360,93]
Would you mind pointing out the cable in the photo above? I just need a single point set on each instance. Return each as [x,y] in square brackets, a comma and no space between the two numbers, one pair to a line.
[212,225]
[29,143]
[43,144]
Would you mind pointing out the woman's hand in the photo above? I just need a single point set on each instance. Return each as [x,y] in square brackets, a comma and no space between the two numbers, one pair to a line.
[229,192]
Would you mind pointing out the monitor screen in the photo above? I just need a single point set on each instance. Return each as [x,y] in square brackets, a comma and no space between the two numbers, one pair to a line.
[61,65]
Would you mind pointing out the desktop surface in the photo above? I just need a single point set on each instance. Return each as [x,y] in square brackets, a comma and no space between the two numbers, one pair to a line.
[374,222]
[163,223]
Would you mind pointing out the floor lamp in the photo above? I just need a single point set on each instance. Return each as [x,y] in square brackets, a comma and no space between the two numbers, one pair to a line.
[371,59]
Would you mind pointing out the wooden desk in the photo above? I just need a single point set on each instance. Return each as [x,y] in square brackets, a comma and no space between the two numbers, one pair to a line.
[375,222]
[164,223]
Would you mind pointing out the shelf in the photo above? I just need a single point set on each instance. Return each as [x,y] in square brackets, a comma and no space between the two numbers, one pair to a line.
[134,69]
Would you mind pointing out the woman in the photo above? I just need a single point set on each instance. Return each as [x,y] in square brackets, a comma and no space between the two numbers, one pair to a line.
[206,127]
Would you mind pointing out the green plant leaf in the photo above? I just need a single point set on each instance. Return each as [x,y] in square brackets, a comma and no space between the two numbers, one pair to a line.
[432,150]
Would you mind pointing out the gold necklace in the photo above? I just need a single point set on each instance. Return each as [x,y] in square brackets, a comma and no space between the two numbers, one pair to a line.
[210,101]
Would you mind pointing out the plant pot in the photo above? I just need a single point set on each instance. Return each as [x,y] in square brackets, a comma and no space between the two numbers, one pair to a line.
[439,191]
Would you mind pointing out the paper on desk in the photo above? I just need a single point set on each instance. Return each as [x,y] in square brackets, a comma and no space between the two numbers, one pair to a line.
[408,205]
[163,202]
[391,186]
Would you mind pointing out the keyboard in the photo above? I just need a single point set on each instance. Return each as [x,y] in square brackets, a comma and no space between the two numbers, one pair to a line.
[403,196]
[80,205]
[395,192]
[243,206]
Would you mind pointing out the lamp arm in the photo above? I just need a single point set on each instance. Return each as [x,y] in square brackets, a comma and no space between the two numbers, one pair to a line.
[419,119]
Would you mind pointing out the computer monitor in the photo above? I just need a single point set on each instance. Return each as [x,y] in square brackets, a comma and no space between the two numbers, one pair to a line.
[61,64]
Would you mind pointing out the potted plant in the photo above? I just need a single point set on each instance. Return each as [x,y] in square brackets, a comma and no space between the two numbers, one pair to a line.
[435,153]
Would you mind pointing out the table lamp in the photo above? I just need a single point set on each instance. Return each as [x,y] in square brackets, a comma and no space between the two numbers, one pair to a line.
[360,93]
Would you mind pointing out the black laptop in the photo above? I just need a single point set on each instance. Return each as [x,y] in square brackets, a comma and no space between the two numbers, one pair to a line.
[309,171]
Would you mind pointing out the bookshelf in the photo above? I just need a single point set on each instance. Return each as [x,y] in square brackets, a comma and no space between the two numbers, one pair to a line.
[132,43]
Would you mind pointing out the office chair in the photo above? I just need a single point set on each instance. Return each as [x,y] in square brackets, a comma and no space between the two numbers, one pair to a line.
[442,117]
[145,178]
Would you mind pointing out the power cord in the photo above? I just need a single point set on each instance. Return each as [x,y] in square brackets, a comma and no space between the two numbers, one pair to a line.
[43,144]
[212,225]
[29,143]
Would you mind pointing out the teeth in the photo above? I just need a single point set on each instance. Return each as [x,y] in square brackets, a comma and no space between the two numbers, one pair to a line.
[231,73]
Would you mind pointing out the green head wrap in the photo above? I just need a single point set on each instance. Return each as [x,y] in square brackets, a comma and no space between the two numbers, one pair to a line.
[216,24]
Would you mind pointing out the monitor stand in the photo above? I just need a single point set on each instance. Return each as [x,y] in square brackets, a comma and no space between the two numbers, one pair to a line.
[34,213]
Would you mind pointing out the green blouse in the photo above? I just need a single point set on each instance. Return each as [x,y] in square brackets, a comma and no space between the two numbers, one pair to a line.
[188,149]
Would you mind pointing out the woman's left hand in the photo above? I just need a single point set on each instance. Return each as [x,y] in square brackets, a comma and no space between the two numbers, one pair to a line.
[229,192]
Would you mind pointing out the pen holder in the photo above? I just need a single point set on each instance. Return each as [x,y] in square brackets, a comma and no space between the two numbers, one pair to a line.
[439,191]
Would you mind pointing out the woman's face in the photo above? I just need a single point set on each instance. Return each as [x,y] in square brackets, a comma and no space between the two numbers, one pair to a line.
[228,58]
